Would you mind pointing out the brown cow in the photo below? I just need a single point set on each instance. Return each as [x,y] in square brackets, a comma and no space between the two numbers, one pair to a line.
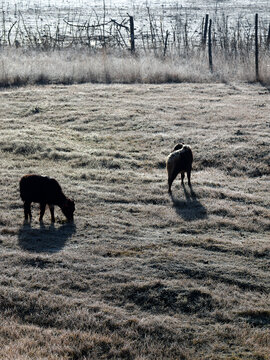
[179,161]
[45,191]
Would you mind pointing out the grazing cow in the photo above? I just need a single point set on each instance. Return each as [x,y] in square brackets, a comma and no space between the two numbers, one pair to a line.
[179,161]
[45,191]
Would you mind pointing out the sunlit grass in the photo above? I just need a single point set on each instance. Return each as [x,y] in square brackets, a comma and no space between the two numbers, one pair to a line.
[140,274]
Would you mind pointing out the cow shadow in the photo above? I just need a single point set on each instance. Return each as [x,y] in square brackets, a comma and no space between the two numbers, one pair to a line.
[190,208]
[45,239]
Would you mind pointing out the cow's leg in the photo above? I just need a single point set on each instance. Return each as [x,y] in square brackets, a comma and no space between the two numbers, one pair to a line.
[42,210]
[52,212]
[27,210]
[182,177]
[188,175]
[170,180]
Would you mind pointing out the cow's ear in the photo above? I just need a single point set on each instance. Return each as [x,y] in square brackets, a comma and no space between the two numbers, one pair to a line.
[178,146]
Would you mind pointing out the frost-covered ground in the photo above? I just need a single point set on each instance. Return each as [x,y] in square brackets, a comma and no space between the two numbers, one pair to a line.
[139,275]
[83,9]
[224,5]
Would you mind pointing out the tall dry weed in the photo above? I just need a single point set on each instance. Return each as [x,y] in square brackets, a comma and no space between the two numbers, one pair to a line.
[21,67]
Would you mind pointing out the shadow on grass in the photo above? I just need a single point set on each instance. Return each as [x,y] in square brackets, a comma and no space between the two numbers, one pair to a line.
[47,239]
[189,208]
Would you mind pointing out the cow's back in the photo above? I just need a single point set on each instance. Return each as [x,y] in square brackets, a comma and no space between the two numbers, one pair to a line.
[37,188]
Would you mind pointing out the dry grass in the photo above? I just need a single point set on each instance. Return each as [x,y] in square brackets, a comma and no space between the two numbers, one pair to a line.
[140,275]
[23,67]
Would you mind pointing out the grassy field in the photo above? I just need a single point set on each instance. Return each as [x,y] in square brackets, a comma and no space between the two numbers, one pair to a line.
[140,274]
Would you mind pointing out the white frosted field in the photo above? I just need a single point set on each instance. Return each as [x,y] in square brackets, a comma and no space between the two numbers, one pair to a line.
[55,8]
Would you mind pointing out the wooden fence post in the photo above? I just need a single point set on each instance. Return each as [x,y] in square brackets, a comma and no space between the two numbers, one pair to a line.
[166,43]
[132,38]
[268,37]
[210,46]
[205,29]
[256,49]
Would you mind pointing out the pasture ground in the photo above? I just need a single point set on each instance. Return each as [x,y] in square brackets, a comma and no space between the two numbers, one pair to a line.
[140,274]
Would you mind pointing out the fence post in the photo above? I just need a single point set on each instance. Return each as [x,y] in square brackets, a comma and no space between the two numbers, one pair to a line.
[210,46]
[166,43]
[132,38]
[256,48]
[205,29]
[268,37]
[4,28]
